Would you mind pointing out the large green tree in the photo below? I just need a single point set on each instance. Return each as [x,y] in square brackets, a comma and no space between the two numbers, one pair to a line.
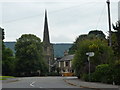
[96,34]
[29,55]
[91,35]
[103,54]
[75,44]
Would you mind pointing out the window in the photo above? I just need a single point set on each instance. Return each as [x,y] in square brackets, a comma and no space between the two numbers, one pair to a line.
[67,63]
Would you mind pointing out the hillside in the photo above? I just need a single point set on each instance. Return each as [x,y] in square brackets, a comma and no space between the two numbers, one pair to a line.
[59,48]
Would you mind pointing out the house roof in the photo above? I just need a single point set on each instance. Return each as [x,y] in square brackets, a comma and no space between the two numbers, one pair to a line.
[67,58]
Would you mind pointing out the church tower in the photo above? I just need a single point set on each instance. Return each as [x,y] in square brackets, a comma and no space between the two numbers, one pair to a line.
[47,46]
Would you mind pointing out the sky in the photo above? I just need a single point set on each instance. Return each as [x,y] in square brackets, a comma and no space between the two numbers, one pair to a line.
[67,19]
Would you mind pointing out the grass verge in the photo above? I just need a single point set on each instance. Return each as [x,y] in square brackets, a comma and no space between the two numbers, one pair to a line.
[5,77]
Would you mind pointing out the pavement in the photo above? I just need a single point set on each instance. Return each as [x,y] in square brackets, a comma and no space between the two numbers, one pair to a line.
[97,86]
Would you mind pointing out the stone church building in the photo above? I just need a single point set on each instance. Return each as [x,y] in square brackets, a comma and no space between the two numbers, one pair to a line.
[48,51]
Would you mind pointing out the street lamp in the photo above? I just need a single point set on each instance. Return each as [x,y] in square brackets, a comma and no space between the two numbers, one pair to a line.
[90,54]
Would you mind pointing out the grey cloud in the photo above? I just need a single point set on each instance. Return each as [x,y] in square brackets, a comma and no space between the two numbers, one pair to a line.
[66,20]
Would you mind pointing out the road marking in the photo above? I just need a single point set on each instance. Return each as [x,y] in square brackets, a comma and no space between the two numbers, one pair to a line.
[71,77]
[32,84]
[40,87]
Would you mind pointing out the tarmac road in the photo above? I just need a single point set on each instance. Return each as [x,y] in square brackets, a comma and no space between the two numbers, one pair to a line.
[40,82]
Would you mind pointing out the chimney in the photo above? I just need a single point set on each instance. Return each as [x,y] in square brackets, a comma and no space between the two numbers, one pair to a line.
[65,53]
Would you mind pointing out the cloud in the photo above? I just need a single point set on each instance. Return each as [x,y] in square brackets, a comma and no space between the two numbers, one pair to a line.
[66,20]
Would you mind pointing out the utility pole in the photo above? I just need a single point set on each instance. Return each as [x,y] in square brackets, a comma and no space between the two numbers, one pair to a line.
[49,65]
[109,21]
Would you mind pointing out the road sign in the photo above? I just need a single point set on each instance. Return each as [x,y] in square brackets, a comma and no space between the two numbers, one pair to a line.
[90,54]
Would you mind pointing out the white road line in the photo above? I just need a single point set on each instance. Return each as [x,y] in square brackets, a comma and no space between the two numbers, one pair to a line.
[40,87]
[32,84]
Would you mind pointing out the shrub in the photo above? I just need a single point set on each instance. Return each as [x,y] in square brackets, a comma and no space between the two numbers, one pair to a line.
[53,74]
[105,73]
[85,77]
[116,75]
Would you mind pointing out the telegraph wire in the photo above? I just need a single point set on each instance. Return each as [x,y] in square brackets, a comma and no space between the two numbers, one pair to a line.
[100,17]
[38,15]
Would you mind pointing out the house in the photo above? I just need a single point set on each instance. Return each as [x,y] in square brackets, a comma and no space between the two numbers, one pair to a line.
[65,65]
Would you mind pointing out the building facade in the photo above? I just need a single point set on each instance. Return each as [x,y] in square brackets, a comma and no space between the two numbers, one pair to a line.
[48,51]
[65,65]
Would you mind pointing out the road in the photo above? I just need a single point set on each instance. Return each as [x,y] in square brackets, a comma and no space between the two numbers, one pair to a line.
[39,82]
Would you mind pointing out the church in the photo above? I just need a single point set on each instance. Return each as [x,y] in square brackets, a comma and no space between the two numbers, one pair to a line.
[48,51]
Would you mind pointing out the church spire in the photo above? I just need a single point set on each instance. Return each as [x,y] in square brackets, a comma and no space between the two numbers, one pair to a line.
[46,30]
[48,52]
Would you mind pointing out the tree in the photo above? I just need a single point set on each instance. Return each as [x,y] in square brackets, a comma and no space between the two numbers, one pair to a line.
[116,39]
[103,55]
[29,55]
[115,45]
[96,34]
[7,59]
[91,35]
[75,44]
[8,62]
[1,42]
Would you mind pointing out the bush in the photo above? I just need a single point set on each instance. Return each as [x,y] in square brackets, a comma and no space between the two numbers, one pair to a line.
[105,73]
[116,75]
[85,77]
[93,77]
[53,74]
